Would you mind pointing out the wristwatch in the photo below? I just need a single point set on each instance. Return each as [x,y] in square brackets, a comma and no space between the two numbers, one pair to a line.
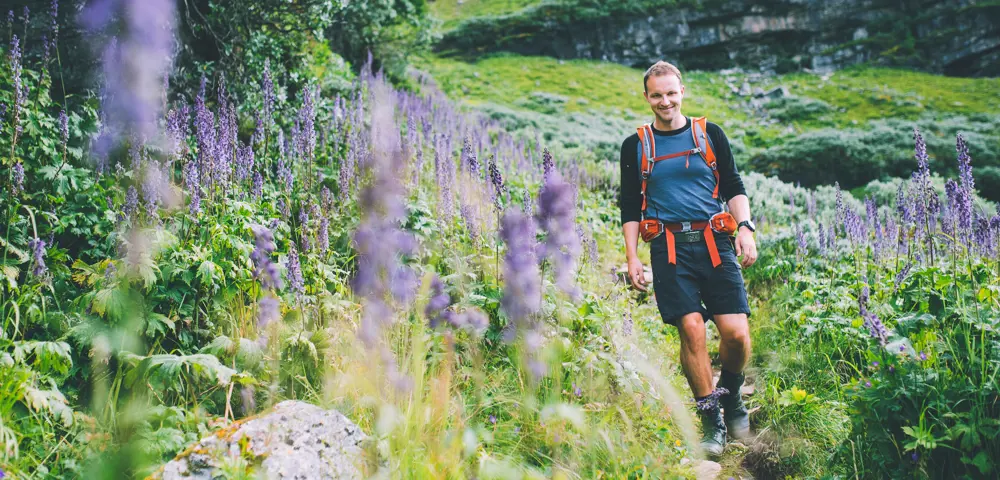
[747,223]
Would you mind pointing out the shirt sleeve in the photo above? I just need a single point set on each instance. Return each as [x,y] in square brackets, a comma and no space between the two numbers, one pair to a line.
[630,196]
[730,182]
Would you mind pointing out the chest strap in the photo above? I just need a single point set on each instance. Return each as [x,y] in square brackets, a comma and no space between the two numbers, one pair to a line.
[702,147]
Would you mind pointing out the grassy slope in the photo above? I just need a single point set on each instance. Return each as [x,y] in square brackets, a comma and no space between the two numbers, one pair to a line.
[453,12]
[866,93]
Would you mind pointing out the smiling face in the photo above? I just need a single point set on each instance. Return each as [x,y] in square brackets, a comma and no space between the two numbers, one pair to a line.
[665,93]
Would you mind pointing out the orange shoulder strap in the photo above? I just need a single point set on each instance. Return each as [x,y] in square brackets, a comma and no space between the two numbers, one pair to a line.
[647,147]
[699,131]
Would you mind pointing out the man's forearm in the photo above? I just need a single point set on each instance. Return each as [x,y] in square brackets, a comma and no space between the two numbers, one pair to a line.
[739,206]
[631,231]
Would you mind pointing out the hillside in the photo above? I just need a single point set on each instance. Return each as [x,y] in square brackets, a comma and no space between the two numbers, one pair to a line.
[868,111]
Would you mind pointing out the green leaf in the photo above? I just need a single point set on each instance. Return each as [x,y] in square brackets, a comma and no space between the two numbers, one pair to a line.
[110,303]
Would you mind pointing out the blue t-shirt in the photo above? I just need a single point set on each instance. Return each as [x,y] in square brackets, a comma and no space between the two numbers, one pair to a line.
[678,189]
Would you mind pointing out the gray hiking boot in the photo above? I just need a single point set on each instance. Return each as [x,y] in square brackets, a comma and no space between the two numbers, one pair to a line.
[713,441]
[736,416]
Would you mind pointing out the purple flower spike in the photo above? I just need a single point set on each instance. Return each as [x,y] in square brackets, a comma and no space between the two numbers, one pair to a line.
[557,216]
[37,246]
[18,183]
[265,270]
[295,280]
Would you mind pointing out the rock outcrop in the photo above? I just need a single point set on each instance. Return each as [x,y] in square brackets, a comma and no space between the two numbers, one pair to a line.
[295,440]
[956,38]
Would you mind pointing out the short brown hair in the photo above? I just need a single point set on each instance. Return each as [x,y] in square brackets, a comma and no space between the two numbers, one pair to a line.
[660,69]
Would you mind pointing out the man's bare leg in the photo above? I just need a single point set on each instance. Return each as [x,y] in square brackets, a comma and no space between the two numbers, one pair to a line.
[694,354]
[734,341]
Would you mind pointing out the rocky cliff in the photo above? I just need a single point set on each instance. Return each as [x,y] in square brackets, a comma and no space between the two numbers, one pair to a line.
[959,38]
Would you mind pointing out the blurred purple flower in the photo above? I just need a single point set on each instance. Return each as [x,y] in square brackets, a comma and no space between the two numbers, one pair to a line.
[548,166]
[264,269]
[268,310]
[627,324]
[498,186]
[522,286]
[557,217]
[133,70]
[439,301]
[258,185]
[493,419]
[923,356]
[131,203]
[902,276]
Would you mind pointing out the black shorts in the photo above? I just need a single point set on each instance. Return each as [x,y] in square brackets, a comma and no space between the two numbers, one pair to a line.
[693,285]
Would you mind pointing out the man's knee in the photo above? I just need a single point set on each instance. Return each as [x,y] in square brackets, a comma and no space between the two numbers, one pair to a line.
[691,327]
[736,337]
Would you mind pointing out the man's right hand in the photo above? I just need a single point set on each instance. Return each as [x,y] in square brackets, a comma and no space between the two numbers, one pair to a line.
[637,274]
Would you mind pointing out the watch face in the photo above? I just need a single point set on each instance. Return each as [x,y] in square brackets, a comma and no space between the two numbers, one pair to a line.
[749,224]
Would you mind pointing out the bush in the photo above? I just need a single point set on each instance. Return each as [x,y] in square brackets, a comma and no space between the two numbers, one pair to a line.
[884,149]
[793,108]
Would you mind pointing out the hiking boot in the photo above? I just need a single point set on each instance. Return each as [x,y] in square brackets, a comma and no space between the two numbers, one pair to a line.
[713,441]
[736,416]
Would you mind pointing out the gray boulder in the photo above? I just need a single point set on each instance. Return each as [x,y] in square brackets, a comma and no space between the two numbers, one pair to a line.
[294,440]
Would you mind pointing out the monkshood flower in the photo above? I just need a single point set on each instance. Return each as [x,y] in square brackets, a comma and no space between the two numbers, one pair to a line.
[18,180]
[264,269]
[821,239]
[964,164]
[133,72]
[901,276]
[548,166]
[131,203]
[323,236]
[471,220]
[295,280]
[522,287]
[557,217]
[244,162]
[496,180]
[63,129]
[307,118]
[903,205]
[627,324]
[177,131]
[526,204]
[191,181]
[268,310]
[37,246]
[439,301]
[267,89]
[875,327]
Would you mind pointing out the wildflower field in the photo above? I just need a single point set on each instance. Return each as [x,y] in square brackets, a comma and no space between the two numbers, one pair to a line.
[182,249]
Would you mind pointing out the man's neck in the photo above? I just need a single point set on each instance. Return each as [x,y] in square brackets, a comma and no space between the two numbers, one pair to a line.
[678,122]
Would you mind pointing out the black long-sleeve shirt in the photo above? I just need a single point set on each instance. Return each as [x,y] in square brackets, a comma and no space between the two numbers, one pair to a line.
[630,197]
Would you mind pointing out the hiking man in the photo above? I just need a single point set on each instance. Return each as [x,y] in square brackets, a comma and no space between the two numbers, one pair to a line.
[676,173]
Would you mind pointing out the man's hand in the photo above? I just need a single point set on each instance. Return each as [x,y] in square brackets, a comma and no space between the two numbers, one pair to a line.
[637,274]
[746,247]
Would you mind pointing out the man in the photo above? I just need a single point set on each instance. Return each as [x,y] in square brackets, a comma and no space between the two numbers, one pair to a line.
[682,190]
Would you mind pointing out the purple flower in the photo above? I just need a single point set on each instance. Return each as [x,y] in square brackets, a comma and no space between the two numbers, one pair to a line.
[258,185]
[267,88]
[875,327]
[264,270]
[627,324]
[892,369]
[439,301]
[133,72]
[295,280]
[923,356]
[902,276]
[547,166]
[191,181]
[18,180]
[498,186]
[244,162]
[577,391]
[557,217]
[802,247]
[868,384]
[323,236]
[131,203]
[37,246]
[915,457]
[874,364]
[522,287]
[493,419]
[268,310]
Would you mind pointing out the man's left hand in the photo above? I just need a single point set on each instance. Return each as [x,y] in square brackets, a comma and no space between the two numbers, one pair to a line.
[746,247]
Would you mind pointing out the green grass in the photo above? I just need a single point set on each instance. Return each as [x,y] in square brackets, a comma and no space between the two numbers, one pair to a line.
[453,12]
